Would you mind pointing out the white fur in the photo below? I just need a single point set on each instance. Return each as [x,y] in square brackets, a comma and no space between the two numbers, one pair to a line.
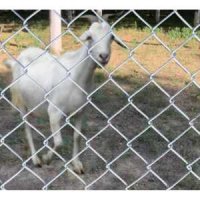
[44,73]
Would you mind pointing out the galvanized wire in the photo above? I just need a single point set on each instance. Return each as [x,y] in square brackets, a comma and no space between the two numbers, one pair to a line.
[130,102]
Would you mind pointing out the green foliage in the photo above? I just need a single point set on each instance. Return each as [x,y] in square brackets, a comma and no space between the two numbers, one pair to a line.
[179,33]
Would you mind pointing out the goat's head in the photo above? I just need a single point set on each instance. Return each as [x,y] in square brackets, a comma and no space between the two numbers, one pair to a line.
[99,38]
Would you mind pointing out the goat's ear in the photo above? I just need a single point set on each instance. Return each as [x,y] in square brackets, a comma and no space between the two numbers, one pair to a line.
[86,36]
[119,42]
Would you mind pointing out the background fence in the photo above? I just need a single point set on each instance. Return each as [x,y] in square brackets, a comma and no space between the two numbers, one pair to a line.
[141,129]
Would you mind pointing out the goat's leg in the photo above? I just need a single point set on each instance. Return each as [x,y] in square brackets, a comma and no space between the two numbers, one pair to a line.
[54,119]
[35,158]
[17,100]
[77,164]
[19,103]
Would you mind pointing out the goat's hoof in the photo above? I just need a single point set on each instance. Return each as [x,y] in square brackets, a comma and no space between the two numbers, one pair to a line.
[78,167]
[46,159]
[37,162]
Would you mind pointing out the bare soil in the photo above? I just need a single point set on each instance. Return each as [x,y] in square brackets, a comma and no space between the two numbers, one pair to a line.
[127,124]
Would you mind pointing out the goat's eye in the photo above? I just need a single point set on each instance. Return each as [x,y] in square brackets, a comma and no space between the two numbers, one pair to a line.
[89,37]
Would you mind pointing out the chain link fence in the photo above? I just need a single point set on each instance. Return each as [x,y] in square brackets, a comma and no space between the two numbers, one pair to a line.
[141,129]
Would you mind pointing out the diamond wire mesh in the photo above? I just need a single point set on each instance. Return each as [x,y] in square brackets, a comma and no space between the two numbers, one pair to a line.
[109,170]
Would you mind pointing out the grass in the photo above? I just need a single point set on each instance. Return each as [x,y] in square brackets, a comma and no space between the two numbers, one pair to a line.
[110,99]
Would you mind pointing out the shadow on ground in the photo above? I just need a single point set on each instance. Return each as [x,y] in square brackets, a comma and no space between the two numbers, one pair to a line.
[109,143]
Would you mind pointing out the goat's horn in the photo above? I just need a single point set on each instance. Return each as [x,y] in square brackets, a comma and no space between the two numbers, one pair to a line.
[90,18]
[119,42]
[106,16]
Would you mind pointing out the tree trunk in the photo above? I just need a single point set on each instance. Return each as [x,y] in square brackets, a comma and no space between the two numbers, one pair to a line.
[55,31]
[157,16]
[197,17]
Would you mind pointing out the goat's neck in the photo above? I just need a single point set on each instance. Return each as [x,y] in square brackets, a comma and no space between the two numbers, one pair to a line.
[84,72]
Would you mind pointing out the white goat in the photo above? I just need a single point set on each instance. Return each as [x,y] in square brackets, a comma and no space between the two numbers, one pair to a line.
[44,73]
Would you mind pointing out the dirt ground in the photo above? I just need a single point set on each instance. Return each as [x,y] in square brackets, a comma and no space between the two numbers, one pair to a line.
[123,127]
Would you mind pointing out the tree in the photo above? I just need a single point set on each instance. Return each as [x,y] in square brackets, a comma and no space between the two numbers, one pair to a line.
[197,17]
[55,31]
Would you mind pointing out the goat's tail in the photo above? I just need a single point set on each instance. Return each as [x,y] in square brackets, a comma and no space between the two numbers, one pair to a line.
[9,63]
[15,68]
[16,97]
